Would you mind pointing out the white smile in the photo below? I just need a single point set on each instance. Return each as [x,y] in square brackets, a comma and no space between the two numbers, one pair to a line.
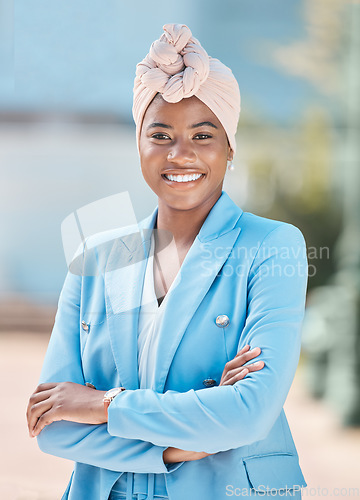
[183,178]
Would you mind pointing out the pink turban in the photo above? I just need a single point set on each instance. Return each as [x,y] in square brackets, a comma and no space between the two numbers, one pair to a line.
[178,67]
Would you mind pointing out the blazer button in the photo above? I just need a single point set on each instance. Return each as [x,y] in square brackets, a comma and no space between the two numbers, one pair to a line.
[222,321]
[209,382]
[84,326]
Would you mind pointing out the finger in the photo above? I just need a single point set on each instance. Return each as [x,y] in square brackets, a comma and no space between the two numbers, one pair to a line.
[36,412]
[242,358]
[235,378]
[247,352]
[35,398]
[243,372]
[250,354]
[45,387]
[232,373]
[253,367]
[46,418]
[243,350]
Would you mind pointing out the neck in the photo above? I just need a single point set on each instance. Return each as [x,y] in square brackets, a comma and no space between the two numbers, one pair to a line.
[184,225]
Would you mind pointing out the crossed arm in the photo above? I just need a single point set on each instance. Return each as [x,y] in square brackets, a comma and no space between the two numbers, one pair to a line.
[78,403]
[143,423]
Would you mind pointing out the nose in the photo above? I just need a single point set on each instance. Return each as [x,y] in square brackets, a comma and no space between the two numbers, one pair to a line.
[182,153]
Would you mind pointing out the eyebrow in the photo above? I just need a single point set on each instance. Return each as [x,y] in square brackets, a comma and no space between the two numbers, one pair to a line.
[160,125]
[202,124]
[196,125]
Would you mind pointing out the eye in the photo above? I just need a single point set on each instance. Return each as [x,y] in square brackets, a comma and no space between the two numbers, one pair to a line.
[160,136]
[202,136]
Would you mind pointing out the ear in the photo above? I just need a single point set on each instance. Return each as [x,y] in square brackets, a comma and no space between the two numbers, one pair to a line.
[230,155]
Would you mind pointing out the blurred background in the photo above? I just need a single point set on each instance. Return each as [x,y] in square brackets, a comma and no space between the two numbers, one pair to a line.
[67,139]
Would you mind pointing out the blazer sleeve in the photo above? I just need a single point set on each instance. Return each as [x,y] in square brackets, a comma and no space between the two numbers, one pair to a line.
[90,444]
[225,417]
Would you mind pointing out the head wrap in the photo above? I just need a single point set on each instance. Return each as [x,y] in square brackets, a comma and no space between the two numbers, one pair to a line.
[178,67]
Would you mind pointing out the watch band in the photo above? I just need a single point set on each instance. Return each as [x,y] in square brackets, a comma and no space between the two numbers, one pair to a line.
[110,395]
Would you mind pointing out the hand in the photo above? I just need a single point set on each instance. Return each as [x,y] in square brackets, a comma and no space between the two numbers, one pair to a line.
[235,370]
[172,455]
[64,401]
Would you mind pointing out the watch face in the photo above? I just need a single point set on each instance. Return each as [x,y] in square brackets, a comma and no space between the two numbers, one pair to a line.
[112,393]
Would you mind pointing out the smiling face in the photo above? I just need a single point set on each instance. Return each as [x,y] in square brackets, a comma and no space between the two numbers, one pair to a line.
[183,153]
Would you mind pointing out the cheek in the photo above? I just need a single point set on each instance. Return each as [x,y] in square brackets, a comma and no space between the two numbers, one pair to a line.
[146,158]
[217,157]
[149,153]
[149,163]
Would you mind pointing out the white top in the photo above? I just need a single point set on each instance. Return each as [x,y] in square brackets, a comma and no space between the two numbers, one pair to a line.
[150,317]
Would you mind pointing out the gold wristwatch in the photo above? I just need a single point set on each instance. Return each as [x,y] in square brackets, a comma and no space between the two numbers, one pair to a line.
[110,395]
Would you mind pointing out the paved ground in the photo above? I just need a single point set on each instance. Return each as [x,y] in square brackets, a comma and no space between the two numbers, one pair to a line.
[329,454]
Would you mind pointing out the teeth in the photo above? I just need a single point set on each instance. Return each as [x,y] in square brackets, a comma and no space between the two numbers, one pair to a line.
[183,178]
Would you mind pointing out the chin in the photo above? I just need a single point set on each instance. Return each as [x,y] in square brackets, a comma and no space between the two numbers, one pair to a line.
[185,204]
[181,205]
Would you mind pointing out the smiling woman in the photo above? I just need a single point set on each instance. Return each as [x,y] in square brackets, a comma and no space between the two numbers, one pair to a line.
[179,140]
[158,396]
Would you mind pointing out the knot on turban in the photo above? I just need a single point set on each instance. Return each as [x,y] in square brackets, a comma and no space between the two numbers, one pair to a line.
[178,67]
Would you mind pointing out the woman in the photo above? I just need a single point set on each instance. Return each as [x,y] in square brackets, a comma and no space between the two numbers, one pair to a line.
[167,325]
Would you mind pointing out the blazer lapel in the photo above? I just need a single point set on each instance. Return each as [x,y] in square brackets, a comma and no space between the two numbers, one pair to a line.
[201,265]
[123,277]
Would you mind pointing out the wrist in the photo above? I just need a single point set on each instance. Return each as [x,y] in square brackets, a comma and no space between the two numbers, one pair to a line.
[98,408]
[109,396]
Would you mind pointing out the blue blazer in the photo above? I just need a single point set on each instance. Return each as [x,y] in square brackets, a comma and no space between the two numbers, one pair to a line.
[249,268]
